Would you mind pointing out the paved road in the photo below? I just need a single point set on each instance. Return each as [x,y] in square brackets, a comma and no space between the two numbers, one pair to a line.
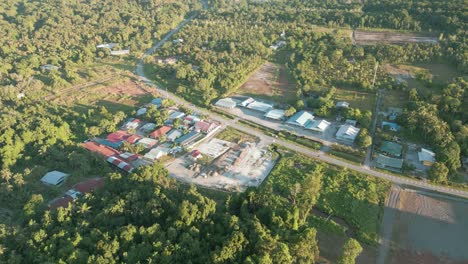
[315,154]
[367,161]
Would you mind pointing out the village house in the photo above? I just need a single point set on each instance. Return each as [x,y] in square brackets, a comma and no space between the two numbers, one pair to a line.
[158,133]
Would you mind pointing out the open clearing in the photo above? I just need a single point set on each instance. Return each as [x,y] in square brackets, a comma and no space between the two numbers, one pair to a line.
[374,37]
[272,81]
[230,167]
[120,91]
[425,228]
[356,99]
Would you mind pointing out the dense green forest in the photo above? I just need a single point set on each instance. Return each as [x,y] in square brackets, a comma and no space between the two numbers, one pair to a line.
[146,216]
[65,33]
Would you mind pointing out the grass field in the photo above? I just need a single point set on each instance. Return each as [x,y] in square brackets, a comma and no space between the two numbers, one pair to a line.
[356,99]
[439,74]
[233,135]
[393,98]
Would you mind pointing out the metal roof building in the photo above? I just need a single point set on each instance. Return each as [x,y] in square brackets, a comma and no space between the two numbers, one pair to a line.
[385,162]
[174,134]
[426,156]
[391,148]
[300,118]
[120,164]
[259,106]
[276,114]
[54,178]
[318,125]
[226,103]
[347,133]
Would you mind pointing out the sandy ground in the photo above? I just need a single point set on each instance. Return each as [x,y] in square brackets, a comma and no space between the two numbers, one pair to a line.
[241,171]
[424,228]
[366,38]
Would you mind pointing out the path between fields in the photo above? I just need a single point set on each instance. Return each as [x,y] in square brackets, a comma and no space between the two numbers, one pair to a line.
[391,207]
[81,86]
[296,147]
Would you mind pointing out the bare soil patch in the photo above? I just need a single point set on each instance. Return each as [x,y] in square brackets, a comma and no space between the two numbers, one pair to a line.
[372,37]
[129,88]
[428,229]
[271,80]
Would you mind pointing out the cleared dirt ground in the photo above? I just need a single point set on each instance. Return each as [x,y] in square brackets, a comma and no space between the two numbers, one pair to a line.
[118,91]
[369,38]
[271,81]
[426,228]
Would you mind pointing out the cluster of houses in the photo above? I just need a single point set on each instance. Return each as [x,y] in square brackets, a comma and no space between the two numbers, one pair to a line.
[390,155]
[304,119]
[56,178]
[155,141]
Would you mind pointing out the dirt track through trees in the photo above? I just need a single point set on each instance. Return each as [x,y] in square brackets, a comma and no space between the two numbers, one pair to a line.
[369,38]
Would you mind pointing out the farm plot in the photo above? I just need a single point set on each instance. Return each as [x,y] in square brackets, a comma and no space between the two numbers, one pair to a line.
[427,228]
[373,37]
[273,82]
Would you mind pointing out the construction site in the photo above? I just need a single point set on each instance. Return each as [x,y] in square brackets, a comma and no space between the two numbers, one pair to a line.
[224,165]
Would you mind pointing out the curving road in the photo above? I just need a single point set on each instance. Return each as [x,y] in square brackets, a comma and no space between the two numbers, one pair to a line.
[267,139]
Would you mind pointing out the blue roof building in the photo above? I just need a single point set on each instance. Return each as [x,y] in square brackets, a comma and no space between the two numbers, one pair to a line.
[157,102]
[391,126]
[188,138]
[108,143]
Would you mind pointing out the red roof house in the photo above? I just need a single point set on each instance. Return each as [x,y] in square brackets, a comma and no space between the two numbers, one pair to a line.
[118,136]
[120,164]
[196,154]
[100,149]
[127,156]
[133,139]
[89,185]
[60,202]
[160,132]
[206,127]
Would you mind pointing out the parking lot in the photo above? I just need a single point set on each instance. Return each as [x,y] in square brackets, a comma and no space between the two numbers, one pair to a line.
[327,137]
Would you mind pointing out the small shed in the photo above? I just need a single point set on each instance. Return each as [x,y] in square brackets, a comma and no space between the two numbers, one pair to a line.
[342,104]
